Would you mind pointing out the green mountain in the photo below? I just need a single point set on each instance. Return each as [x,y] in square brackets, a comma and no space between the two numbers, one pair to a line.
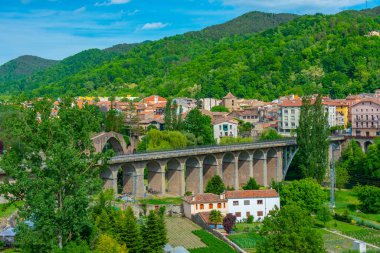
[251,22]
[148,59]
[23,66]
[311,53]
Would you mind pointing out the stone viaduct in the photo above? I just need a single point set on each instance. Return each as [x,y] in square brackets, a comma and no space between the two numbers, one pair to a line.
[179,171]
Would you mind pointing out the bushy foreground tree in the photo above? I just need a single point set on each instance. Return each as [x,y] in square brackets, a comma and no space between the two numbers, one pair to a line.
[199,125]
[305,193]
[290,230]
[51,166]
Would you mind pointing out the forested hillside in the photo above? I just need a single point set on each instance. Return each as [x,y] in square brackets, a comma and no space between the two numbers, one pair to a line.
[23,66]
[317,53]
[87,72]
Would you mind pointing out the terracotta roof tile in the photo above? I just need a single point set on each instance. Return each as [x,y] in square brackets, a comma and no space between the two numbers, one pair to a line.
[204,198]
[251,194]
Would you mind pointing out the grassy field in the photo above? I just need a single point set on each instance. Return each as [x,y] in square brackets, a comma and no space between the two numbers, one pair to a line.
[346,200]
[162,201]
[180,233]
[364,234]
[214,245]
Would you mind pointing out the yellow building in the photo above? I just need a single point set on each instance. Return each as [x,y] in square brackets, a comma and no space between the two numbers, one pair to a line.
[342,111]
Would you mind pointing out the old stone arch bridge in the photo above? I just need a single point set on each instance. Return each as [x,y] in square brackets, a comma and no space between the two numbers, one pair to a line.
[178,171]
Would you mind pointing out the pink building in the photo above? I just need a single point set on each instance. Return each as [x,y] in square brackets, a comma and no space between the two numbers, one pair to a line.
[366,118]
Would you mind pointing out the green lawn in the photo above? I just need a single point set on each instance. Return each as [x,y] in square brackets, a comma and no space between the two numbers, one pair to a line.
[346,200]
[214,245]
[162,201]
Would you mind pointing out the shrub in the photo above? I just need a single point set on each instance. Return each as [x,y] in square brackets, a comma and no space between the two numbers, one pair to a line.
[229,222]
[369,197]
[250,219]
[251,185]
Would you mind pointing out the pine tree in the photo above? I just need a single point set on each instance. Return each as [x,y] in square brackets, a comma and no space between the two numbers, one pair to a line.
[131,236]
[162,227]
[215,185]
[151,234]
[251,185]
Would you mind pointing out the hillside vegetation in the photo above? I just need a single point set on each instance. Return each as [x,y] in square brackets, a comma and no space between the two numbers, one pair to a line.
[23,66]
[313,53]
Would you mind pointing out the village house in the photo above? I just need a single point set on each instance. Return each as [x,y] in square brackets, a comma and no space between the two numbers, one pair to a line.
[230,102]
[204,203]
[366,118]
[251,115]
[185,104]
[225,127]
[208,103]
[258,203]
[288,116]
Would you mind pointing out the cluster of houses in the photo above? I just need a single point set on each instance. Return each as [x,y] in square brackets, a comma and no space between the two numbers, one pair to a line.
[359,114]
[241,203]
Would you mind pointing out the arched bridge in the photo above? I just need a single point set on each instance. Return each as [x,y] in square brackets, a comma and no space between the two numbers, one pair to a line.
[188,170]
[112,140]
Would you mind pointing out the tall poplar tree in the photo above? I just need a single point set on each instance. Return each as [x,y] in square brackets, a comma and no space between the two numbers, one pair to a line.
[312,139]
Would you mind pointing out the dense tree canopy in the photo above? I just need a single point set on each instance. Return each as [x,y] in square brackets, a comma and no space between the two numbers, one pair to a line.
[290,230]
[315,53]
[55,172]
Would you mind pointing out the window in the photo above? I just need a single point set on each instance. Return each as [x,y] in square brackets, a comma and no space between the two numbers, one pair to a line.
[202,207]
[260,213]
[219,205]
[246,202]
[248,214]
[235,203]
[230,127]
[285,111]
[224,205]
[220,127]
[259,201]
[238,214]
[292,111]
[210,206]
[196,207]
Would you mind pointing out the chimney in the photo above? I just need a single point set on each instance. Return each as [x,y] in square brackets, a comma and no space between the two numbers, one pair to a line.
[193,197]
[155,99]
[222,196]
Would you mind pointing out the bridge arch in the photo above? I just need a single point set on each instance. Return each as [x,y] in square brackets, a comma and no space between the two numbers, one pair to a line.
[258,163]
[228,169]
[126,179]
[156,177]
[244,167]
[110,140]
[193,175]
[366,145]
[114,144]
[210,168]
[173,176]
[272,157]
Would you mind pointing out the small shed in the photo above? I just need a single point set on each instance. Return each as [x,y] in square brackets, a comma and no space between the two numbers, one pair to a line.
[8,236]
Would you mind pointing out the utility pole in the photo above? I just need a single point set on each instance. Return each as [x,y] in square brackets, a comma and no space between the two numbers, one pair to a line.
[332,175]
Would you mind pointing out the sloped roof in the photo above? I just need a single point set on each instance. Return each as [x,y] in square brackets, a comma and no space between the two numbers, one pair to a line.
[229,95]
[203,198]
[244,194]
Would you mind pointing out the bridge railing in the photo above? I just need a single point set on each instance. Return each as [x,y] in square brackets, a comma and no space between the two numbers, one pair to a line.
[282,140]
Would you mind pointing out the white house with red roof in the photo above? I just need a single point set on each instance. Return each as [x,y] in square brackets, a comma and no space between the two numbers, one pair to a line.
[242,203]
[257,203]
[204,203]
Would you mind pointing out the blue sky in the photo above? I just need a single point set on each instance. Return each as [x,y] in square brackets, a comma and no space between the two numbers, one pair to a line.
[56,29]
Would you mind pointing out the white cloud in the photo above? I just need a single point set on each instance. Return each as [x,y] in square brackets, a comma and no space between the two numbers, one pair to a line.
[302,6]
[112,2]
[80,10]
[155,25]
